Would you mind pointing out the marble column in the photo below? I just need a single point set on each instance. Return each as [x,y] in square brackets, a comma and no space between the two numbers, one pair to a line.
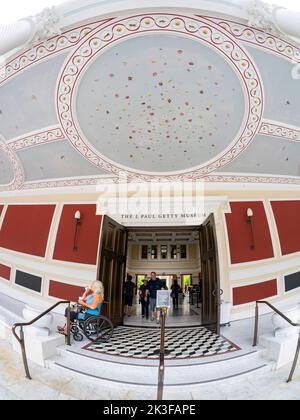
[30,30]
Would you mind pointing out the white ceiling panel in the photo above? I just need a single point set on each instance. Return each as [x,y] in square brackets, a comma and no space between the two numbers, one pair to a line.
[27,102]
[55,160]
[268,155]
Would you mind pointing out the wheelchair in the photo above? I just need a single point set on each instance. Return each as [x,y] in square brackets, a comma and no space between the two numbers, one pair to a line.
[97,329]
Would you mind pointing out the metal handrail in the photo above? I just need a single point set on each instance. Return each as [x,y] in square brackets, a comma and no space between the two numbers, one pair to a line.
[161,370]
[21,325]
[297,353]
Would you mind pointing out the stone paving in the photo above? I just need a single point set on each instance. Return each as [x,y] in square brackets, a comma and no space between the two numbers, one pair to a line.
[46,385]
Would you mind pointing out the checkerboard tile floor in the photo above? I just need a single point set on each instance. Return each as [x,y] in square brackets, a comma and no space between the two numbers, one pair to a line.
[180,343]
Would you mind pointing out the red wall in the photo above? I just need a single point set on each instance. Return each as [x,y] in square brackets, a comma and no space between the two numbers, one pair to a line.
[87,239]
[1,208]
[287,216]
[254,292]
[26,228]
[5,272]
[65,291]
[239,233]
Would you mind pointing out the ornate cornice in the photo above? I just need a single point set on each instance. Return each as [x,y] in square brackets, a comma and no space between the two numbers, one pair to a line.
[35,139]
[46,49]
[263,16]
[213,178]
[46,25]
[252,179]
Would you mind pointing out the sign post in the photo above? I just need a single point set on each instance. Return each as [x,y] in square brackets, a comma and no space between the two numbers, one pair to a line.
[163,304]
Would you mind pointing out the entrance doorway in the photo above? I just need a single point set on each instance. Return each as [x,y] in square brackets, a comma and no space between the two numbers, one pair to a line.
[112,268]
[210,283]
[188,254]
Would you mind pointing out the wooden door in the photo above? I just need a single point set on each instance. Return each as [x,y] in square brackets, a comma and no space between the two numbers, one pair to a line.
[210,290]
[112,268]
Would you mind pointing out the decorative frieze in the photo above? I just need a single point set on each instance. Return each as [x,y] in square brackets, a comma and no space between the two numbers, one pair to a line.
[36,139]
[284,132]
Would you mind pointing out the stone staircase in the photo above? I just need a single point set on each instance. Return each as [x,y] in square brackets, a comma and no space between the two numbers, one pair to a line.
[140,376]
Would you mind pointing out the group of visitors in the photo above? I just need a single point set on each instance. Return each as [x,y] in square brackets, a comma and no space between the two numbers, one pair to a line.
[147,294]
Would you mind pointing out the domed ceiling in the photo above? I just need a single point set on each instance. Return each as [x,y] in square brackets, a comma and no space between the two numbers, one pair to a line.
[160,96]
[153,96]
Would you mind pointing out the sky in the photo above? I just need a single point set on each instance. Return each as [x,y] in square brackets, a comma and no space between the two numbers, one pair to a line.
[16,9]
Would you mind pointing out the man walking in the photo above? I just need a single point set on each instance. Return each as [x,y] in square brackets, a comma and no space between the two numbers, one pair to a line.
[154,285]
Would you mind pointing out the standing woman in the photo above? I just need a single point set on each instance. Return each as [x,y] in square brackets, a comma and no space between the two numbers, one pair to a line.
[175,293]
[144,297]
[129,293]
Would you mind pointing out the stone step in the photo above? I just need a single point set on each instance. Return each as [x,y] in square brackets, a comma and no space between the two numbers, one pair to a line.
[145,373]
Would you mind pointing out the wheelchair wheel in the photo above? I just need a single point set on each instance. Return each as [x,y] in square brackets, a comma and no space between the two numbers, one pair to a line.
[75,331]
[78,337]
[98,329]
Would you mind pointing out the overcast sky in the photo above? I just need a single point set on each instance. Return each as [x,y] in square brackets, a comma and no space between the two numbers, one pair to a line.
[13,10]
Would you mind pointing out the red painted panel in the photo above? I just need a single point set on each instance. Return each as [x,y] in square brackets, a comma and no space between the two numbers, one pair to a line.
[1,208]
[65,291]
[287,216]
[5,272]
[87,239]
[239,233]
[254,292]
[26,228]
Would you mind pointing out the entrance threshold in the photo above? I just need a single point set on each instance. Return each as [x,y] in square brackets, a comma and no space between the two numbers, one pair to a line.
[185,316]
[180,343]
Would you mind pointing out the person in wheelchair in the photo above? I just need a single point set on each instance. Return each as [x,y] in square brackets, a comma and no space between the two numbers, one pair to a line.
[91,302]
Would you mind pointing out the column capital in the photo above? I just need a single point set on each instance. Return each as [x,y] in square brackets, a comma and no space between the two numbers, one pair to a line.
[45,25]
[263,16]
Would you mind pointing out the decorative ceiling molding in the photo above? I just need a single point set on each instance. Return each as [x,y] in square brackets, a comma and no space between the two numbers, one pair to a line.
[71,182]
[45,136]
[170,238]
[29,30]
[259,39]
[252,179]
[217,29]
[19,174]
[220,178]
[199,29]
[47,49]
[46,24]
[280,130]
[72,37]
[263,16]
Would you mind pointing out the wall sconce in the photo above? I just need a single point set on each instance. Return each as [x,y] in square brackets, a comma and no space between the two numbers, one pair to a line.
[77,223]
[250,222]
